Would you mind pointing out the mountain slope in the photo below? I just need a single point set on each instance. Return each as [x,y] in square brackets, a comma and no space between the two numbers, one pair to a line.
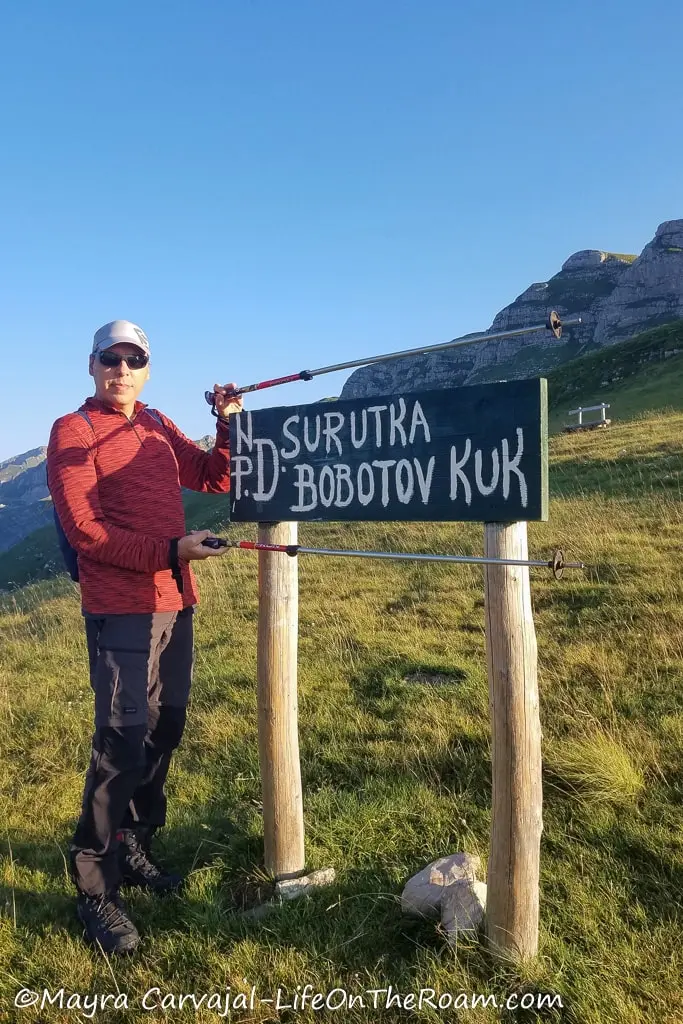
[12,468]
[638,376]
[615,295]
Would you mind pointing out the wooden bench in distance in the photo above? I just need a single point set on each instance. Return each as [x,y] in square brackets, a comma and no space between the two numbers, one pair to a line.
[572,428]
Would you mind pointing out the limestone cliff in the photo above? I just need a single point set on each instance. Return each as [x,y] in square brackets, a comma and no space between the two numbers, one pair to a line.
[615,295]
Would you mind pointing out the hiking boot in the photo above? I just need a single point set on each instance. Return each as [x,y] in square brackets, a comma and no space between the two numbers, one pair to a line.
[139,869]
[106,922]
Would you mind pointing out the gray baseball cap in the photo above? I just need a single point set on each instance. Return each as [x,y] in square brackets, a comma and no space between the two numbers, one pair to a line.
[118,331]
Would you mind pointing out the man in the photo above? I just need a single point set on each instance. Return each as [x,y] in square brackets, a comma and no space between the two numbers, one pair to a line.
[115,472]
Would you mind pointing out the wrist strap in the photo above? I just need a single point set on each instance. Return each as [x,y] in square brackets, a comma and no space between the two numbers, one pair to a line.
[221,419]
[175,564]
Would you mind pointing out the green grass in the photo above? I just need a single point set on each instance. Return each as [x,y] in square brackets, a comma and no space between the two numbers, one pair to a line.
[395,755]
[596,766]
[637,377]
[625,256]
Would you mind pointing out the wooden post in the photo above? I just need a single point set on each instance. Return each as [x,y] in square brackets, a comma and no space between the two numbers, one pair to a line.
[283,822]
[513,869]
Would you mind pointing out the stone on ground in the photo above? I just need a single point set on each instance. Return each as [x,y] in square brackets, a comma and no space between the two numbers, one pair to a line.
[291,888]
[422,893]
[462,907]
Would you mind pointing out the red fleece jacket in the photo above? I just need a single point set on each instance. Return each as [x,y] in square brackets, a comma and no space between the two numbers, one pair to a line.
[116,488]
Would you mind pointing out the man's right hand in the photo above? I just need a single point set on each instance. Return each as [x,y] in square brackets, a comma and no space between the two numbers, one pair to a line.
[190,548]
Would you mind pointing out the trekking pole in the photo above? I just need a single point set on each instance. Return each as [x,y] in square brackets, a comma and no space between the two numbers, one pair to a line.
[553,323]
[556,563]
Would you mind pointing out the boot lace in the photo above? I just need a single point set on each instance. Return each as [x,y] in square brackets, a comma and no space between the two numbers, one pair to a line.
[139,860]
[111,912]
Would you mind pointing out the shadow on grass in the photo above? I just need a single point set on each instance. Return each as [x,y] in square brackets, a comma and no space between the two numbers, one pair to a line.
[345,929]
[213,692]
[657,882]
[347,926]
[618,478]
[395,679]
[570,604]
[210,839]
[355,923]
[462,768]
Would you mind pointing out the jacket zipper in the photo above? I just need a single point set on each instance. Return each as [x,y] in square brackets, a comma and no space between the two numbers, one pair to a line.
[140,440]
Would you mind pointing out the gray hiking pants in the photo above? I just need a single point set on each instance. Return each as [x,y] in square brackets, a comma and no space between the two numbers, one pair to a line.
[140,671]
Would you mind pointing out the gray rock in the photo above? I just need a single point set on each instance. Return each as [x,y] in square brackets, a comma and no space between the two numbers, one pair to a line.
[584,258]
[422,893]
[650,292]
[291,888]
[23,490]
[463,906]
[616,297]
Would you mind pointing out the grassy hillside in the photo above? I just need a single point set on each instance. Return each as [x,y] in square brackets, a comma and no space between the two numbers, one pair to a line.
[641,375]
[394,732]
[576,375]
[17,519]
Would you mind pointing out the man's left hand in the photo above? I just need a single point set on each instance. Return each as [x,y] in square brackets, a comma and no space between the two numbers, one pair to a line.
[225,401]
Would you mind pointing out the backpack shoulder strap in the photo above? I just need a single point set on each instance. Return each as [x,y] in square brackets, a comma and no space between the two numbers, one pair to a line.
[154,413]
[84,415]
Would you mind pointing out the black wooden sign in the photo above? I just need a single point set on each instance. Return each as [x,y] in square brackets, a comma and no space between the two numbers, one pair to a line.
[475,453]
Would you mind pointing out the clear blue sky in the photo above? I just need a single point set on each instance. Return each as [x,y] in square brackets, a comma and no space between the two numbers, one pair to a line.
[272,185]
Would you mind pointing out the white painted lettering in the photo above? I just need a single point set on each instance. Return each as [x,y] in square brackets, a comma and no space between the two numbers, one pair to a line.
[365,497]
[377,409]
[419,420]
[290,437]
[425,484]
[364,418]
[495,472]
[242,466]
[303,482]
[343,477]
[457,473]
[395,424]
[331,432]
[260,494]
[384,465]
[241,436]
[404,490]
[326,480]
[312,446]
[513,467]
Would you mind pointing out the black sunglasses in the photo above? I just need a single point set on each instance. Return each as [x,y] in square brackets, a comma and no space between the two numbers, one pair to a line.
[137,361]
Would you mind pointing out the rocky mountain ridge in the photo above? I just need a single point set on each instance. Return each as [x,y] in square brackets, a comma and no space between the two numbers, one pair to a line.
[615,295]
[22,478]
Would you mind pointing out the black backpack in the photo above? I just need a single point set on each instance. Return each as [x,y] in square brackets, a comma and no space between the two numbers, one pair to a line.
[69,554]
